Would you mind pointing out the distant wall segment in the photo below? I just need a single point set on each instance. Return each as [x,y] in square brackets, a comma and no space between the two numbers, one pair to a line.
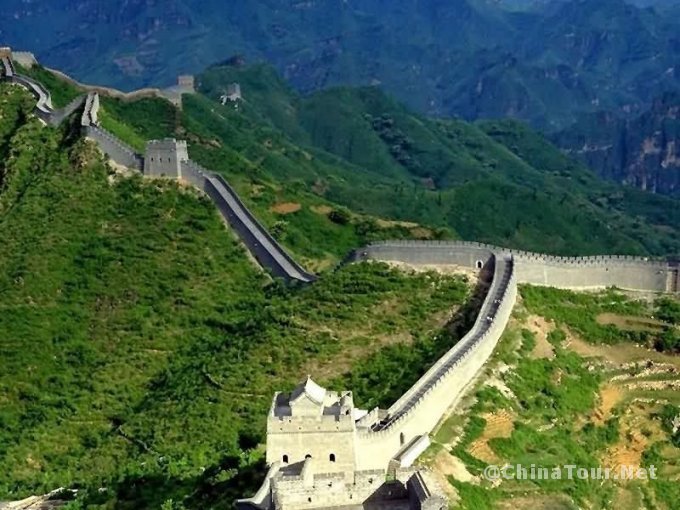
[626,272]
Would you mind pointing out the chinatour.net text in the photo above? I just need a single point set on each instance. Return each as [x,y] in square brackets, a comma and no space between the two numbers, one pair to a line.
[568,472]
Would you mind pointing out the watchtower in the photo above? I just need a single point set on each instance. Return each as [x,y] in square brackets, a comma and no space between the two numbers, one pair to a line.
[313,423]
[164,158]
[186,82]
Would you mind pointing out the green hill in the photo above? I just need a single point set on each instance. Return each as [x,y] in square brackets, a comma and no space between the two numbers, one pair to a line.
[497,182]
[141,347]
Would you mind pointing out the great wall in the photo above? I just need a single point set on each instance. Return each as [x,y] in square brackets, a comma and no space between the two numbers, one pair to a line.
[321,451]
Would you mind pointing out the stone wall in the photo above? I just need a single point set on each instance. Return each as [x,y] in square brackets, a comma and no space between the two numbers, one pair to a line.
[418,411]
[117,150]
[428,253]
[328,440]
[43,107]
[261,244]
[324,491]
[90,116]
[194,174]
[165,158]
[58,116]
[7,67]
[626,272]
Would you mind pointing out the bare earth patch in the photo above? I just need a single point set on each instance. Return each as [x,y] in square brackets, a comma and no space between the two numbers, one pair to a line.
[389,223]
[538,502]
[256,190]
[637,433]
[540,328]
[610,395]
[449,465]
[628,498]
[498,424]
[421,233]
[619,354]
[324,210]
[630,323]
[286,208]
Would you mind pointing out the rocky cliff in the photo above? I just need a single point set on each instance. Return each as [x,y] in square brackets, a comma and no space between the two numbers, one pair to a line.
[643,151]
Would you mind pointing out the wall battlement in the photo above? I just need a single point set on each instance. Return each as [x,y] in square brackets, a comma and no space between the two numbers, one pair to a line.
[600,271]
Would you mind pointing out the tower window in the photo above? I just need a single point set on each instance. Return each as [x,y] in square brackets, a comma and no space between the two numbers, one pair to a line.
[308,456]
[285,459]
[332,457]
[480,264]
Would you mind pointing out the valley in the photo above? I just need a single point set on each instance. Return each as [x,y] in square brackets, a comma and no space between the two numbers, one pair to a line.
[587,73]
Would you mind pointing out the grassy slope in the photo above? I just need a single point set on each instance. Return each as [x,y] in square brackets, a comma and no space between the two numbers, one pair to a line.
[267,169]
[495,181]
[553,402]
[132,322]
[62,93]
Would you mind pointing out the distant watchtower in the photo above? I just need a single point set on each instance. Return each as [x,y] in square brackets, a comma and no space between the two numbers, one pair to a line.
[164,158]
[186,82]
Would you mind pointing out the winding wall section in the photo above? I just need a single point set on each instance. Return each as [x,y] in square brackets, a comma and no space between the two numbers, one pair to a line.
[43,107]
[268,252]
[626,272]
[419,410]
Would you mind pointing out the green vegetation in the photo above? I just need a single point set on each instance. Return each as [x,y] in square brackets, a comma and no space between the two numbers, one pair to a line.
[145,119]
[473,497]
[141,347]
[555,409]
[547,391]
[669,418]
[668,309]
[497,182]
[62,93]
[581,311]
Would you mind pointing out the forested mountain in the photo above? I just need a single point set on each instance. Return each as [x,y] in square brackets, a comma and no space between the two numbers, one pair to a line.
[444,57]
[494,181]
[551,63]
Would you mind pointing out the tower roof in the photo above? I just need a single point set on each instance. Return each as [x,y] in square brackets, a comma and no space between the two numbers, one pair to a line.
[310,390]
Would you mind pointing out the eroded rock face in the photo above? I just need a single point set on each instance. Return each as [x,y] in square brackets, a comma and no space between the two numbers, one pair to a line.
[642,151]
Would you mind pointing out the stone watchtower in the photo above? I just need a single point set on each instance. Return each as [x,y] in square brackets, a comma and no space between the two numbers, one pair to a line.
[313,423]
[164,158]
[187,83]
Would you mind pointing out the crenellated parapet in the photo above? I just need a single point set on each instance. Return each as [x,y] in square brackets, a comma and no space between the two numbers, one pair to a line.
[592,272]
